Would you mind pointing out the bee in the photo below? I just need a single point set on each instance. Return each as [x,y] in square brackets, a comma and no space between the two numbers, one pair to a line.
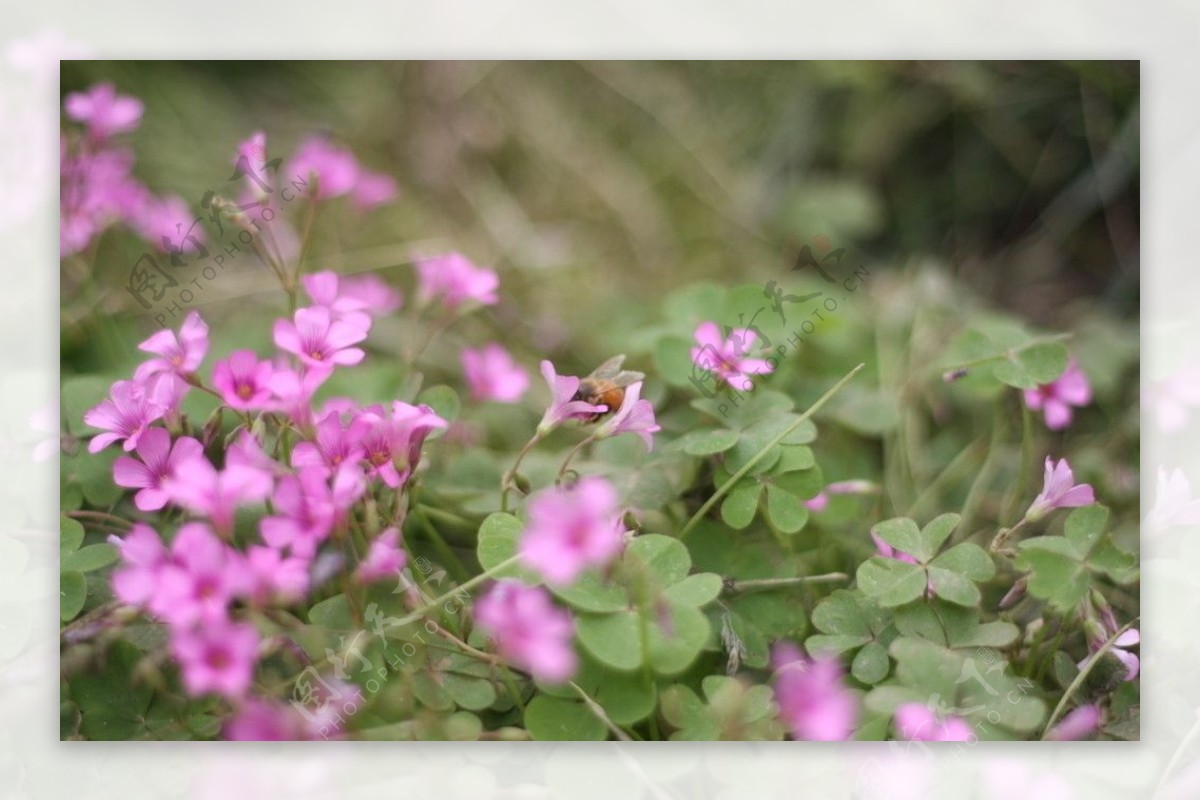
[606,385]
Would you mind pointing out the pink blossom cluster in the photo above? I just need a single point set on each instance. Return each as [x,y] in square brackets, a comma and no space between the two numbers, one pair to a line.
[204,580]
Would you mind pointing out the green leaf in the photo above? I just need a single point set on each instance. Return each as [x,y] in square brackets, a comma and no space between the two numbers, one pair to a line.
[891,582]
[795,457]
[1085,526]
[953,587]
[91,557]
[72,592]
[787,512]
[842,613]
[469,692]
[937,621]
[591,592]
[903,535]
[112,703]
[549,718]
[968,559]
[499,536]
[1033,365]
[710,441]
[332,613]
[996,634]
[666,557]
[695,590]
[870,665]
[936,532]
[70,535]
[613,639]
[443,400]
[676,641]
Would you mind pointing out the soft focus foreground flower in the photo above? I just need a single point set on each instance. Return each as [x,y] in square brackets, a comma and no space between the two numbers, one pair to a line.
[168,224]
[916,721]
[572,529]
[104,111]
[492,374]
[199,487]
[1056,398]
[384,558]
[143,556]
[1059,491]
[257,720]
[1173,503]
[217,658]
[728,358]
[274,577]
[528,629]
[159,458]
[124,415]
[455,280]
[97,189]
[812,695]
[562,407]
[320,341]
[243,381]
[1079,723]
[820,501]
[1171,397]
[636,416]
[310,505]
[337,173]
[200,580]
[180,354]
[338,441]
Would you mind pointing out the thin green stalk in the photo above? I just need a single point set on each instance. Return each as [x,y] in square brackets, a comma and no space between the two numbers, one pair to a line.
[506,481]
[444,551]
[424,609]
[748,466]
[975,493]
[786,581]
[562,471]
[1082,675]
[950,471]
[1014,495]
[599,712]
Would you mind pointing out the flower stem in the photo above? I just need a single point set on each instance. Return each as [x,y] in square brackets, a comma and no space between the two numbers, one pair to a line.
[562,471]
[748,466]
[506,482]
[599,712]
[425,609]
[1082,675]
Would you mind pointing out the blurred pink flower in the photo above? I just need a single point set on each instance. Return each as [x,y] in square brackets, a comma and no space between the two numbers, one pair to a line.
[273,577]
[345,294]
[1120,648]
[455,280]
[562,407]
[888,552]
[812,695]
[168,391]
[168,224]
[412,426]
[1171,397]
[201,579]
[217,658]
[384,558]
[143,556]
[247,451]
[124,415]
[199,487]
[244,382]
[492,374]
[293,389]
[372,189]
[257,720]
[916,721]
[309,506]
[180,354]
[159,458]
[728,358]
[338,441]
[334,169]
[570,530]
[1059,491]
[1056,398]
[1080,722]
[321,341]
[97,189]
[104,111]
[636,416]
[528,629]
[820,501]
[1173,503]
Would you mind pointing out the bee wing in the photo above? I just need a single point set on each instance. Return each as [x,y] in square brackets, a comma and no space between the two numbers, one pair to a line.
[627,377]
[609,368]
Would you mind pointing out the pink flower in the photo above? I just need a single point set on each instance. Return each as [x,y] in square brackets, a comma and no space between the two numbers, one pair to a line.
[168,391]
[384,559]
[493,375]
[143,556]
[337,442]
[455,280]
[125,415]
[243,381]
[201,579]
[104,111]
[1173,503]
[636,416]
[158,462]
[343,294]
[1120,647]
[309,507]
[885,550]
[246,451]
[269,721]
[335,170]
[217,658]
[197,486]
[917,722]
[727,358]
[373,189]
[812,696]
[1171,397]
[1056,398]
[412,426]
[320,341]
[97,188]
[1079,723]
[274,577]
[180,354]
[1059,491]
[572,529]
[528,629]
[293,390]
[819,502]
[562,406]
[168,224]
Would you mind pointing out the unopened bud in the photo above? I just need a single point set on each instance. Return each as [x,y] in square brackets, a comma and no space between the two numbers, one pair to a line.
[522,483]
[212,427]
[950,376]
[1015,594]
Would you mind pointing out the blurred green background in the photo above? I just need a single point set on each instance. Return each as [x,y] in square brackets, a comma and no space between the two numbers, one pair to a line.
[597,187]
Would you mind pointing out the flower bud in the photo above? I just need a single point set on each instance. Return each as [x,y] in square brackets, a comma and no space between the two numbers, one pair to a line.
[1015,594]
